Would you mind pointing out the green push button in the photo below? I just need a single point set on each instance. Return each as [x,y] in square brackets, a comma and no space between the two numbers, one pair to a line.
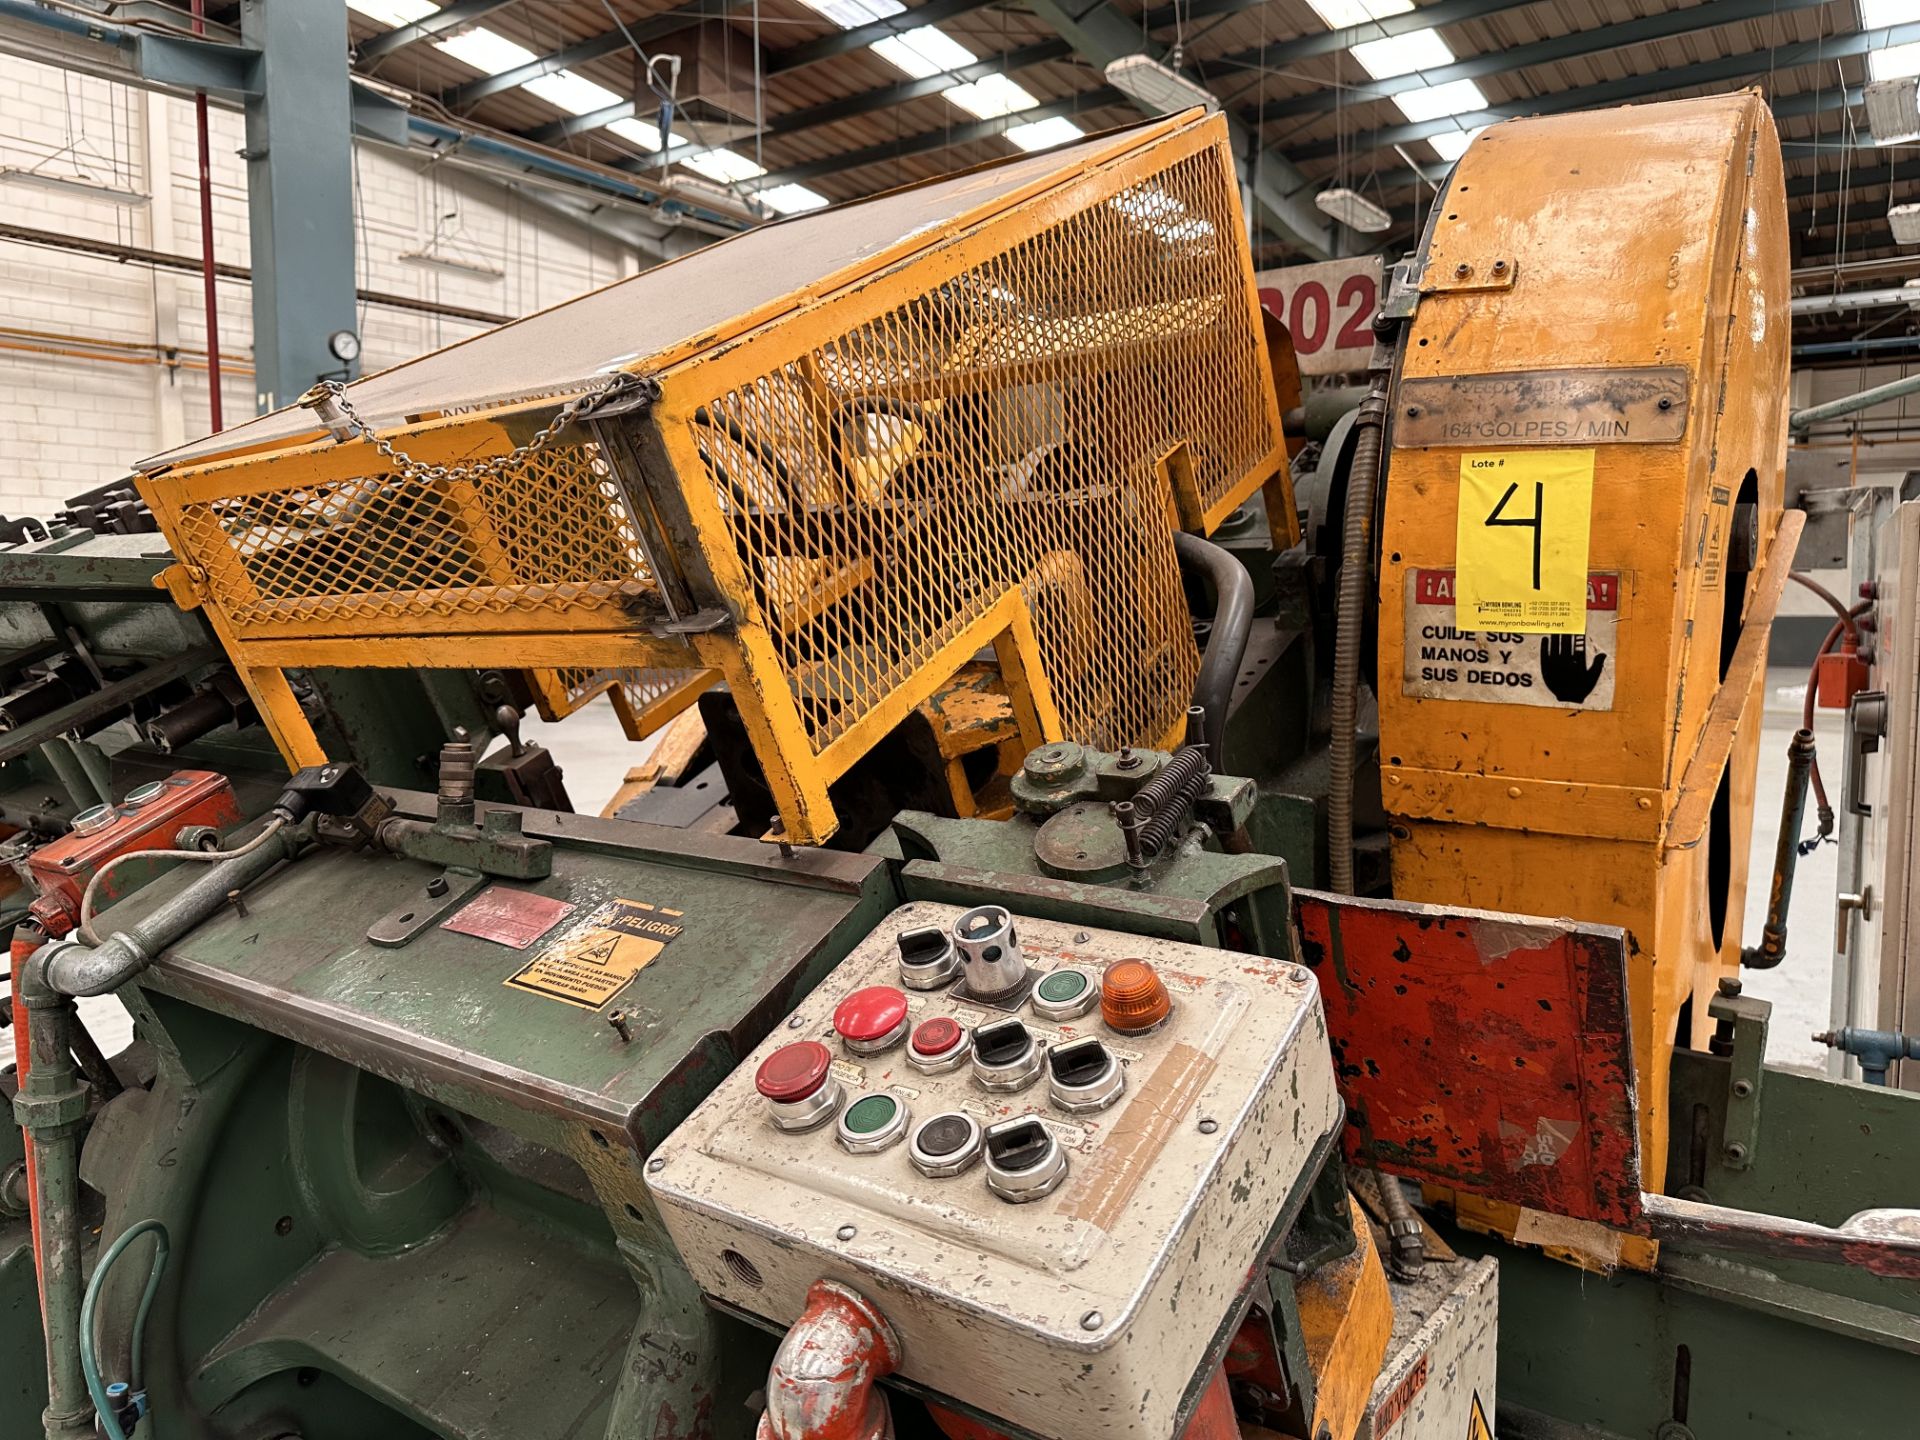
[1063,986]
[872,1123]
[1065,994]
[871,1115]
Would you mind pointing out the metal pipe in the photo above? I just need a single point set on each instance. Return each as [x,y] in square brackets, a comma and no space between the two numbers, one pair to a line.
[1850,347]
[1854,300]
[210,297]
[72,776]
[1853,404]
[1350,614]
[77,969]
[51,1107]
[824,1382]
[1786,853]
[1227,641]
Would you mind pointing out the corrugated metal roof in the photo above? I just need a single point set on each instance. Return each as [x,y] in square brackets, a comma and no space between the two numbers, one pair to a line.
[1839,192]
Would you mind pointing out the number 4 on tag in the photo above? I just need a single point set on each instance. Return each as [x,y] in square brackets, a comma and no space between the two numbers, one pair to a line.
[1522,541]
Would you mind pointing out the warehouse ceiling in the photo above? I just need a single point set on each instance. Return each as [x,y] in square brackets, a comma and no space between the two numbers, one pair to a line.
[796,103]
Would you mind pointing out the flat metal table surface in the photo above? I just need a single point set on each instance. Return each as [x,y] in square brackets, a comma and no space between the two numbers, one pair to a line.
[436,1014]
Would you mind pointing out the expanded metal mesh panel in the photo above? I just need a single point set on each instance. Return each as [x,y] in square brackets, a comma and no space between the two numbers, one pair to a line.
[1005,429]
[644,697]
[553,536]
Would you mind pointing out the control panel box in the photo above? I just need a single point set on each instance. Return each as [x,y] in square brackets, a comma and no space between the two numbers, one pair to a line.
[1050,1155]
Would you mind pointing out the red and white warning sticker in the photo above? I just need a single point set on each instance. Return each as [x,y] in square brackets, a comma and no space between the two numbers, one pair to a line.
[1562,672]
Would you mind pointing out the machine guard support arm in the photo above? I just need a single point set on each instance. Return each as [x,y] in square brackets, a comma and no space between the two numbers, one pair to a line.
[1687,826]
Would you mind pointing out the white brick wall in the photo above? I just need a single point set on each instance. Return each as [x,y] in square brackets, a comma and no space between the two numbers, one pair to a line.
[69,422]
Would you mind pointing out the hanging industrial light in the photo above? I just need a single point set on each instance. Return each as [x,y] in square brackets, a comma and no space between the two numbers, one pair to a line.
[1158,87]
[1353,210]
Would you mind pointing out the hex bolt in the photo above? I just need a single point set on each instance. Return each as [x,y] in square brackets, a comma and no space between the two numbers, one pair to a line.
[618,1020]
[845,1232]
[1127,760]
[1743,1088]
[780,831]
[1729,985]
[1092,1320]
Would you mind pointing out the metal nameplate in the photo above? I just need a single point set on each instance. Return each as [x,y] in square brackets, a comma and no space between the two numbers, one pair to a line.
[1642,406]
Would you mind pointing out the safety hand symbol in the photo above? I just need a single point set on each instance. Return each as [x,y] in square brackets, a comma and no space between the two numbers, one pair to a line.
[1564,667]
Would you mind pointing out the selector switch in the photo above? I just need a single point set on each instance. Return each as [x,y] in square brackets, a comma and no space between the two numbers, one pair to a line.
[1024,1161]
[1006,1057]
[928,959]
[1083,1075]
[939,1046]
[946,1145]
[1065,994]
[872,1021]
[873,1123]
[797,1082]
[993,970]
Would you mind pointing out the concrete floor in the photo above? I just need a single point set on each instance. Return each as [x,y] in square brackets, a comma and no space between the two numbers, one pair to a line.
[595,755]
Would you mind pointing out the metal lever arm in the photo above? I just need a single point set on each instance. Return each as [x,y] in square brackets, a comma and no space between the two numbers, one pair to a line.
[1885,1242]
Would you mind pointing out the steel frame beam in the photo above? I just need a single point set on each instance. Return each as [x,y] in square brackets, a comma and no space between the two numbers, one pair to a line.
[828,112]
[427,27]
[594,47]
[299,194]
[941,139]
[1633,87]
[1643,30]
[842,42]
[1102,35]
[1328,42]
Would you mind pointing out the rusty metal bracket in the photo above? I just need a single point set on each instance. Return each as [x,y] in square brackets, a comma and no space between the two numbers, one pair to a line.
[1494,272]
[1746,1018]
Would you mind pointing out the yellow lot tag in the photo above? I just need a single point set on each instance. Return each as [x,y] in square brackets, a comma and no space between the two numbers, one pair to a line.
[1521,541]
[590,965]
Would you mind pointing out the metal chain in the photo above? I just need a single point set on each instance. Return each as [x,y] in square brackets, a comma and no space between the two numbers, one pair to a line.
[618,386]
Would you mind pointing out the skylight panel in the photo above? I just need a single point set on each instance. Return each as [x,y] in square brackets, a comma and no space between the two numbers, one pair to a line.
[849,14]
[1430,102]
[725,166]
[1341,13]
[924,52]
[1894,62]
[639,132]
[1045,134]
[791,199]
[1403,54]
[394,13]
[486,51]
[573,93]
[1452,144]
[990,96]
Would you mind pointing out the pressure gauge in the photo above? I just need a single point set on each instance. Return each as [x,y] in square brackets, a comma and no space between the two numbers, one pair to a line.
[345,346]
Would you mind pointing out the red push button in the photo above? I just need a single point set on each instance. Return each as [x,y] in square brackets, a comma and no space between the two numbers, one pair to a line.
[793,1072]
[872,1020]
[937,1036]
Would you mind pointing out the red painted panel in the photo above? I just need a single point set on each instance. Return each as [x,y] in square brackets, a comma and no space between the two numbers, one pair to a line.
[1489,1053]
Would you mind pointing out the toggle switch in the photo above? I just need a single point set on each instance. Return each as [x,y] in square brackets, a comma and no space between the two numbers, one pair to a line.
[928,958]
[1083,1076]
[1024,1161]
[1006,1057]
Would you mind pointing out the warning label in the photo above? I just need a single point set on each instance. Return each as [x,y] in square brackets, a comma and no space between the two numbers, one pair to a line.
[589,966]
[1477,1426]
[1505,667]
[1393,1409]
